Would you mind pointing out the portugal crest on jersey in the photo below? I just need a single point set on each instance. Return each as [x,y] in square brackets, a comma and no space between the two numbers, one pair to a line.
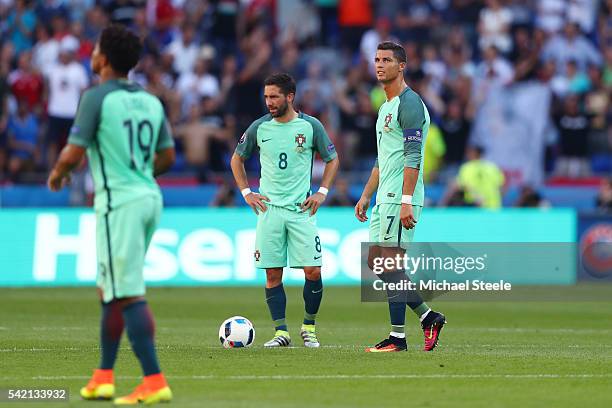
[388,122]
[300,139]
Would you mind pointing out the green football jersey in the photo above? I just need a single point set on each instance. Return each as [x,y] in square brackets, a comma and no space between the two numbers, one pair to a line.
[122,126]
[286,154]
[401,130]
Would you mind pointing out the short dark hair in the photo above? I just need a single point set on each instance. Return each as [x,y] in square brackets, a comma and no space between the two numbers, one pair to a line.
[285,82]
[398,51]
[121,47]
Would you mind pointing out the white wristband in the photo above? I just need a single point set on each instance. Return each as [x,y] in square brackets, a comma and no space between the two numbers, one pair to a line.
[323,190]
[245,191]
[406,199]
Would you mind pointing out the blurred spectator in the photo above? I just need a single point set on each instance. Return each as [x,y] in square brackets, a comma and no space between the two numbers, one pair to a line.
[86,46]
[523,14]
[26,83]
[203,126]
[597,102]
[123,11]
[571,81]
[341,196]
[226,195]
[224,23]
[571,45]
[197,83]
[574,127]
[583,13]
[415,19]
[46,50]
[374,36]
[60,27]
[357,118]
[4,92]
[523,46]
[355,17]
[493,66]
[317,87]
[256,50]
[494,26]
[23,132]
[604,24]
[297,20]
[455,129]
[48,9]
[604,197]
[328,14]
[65,80]
[21,23]
[162,20]
[551,15]
[434,67]
[529,197]
[608,68]
[456,198]
[95,21]
[492,73]
[184,50]
[482,180]
[290,59]
[434,153]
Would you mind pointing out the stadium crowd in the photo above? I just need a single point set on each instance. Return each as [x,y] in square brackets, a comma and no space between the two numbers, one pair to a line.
[472,61]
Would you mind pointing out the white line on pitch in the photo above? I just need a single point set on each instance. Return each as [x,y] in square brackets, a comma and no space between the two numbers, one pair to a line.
[336,377]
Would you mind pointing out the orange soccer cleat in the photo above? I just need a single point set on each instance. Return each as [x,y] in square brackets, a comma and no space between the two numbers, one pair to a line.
[152,390]
[100,387]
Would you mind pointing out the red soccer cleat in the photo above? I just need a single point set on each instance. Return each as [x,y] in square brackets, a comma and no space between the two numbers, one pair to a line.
[432,326]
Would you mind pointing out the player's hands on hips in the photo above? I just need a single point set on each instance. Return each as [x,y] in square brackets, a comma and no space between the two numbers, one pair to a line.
[361,209]
[257,202]
[407,216]
[57,181]
[313,203]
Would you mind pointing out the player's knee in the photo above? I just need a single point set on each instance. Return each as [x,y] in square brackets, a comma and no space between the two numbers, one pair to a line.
[274,277]
[313,273]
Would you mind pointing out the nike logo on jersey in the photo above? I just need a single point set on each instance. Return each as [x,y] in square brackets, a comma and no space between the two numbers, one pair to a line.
[388,238]
[317,257]
[264,140]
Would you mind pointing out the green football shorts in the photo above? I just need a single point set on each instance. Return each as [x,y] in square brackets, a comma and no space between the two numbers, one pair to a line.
[122,237]
[386,228]
[280,232]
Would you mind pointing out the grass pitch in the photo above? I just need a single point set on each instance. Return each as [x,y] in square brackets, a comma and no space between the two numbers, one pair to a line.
[519,354]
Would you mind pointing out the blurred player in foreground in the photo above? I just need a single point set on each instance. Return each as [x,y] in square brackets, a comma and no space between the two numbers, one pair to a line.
[124,132]
[285,208]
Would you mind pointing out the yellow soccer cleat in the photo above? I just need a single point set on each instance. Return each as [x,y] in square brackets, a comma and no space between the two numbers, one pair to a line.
[100,387]
[153,389]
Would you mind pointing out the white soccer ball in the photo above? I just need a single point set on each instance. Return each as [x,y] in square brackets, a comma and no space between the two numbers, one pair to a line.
[236,332]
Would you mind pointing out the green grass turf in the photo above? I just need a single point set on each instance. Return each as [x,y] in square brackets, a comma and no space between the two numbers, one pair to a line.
[512,354]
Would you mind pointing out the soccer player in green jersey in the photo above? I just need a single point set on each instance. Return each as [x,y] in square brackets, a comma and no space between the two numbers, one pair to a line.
[285,208]
[124,132]
[397,179]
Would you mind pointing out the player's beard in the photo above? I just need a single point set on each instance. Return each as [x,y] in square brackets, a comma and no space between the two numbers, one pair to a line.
[281,110]
[389,79]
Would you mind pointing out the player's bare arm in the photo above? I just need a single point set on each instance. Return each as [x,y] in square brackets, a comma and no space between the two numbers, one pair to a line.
[164,159]
[255,200]
[313,202]
[411,176]
[363,204]
[69,159]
